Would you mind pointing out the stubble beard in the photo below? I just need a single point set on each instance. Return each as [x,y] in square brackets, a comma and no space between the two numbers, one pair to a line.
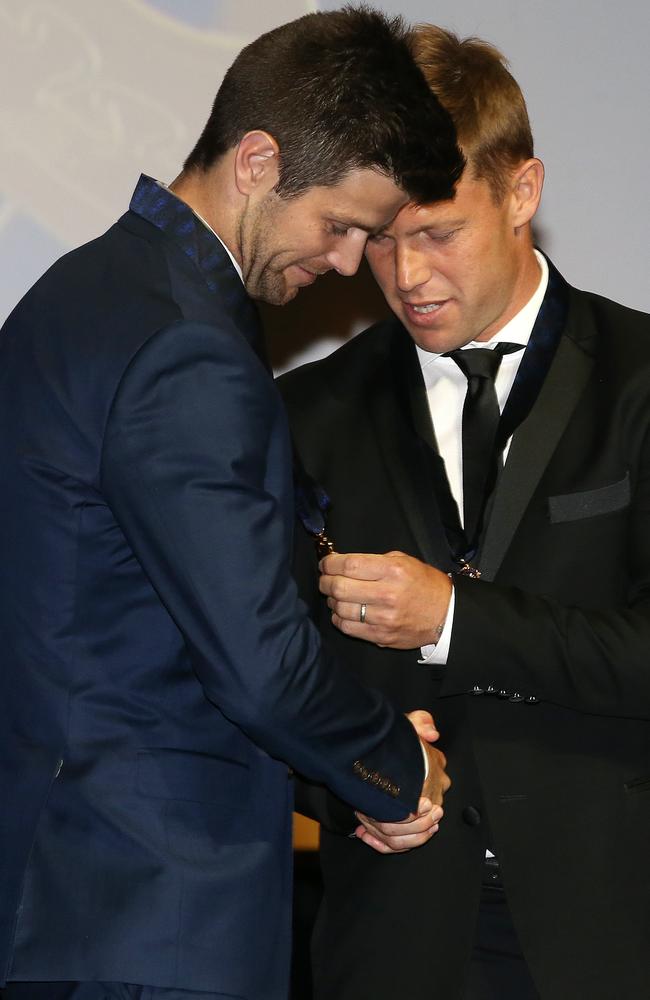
[260,280]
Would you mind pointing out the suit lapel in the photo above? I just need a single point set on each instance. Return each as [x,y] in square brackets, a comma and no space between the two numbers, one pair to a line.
[532,447]
[399,412]
[191,236]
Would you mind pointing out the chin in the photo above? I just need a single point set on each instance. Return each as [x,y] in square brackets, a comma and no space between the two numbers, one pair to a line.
[434,343]
[287,294]
[276,293]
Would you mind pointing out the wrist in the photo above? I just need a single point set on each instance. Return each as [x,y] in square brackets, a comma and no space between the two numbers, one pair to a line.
[439,628]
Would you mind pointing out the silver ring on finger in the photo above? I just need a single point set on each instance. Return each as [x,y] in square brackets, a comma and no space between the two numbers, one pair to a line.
[362,613]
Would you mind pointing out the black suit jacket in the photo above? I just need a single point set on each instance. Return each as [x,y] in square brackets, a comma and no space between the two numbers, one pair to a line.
[544,704]
[157,668]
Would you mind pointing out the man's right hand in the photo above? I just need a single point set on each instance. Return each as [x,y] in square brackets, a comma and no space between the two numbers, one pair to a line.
[436,782]
[394,838]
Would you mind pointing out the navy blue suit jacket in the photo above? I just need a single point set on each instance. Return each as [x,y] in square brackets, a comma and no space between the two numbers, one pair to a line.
[157,667]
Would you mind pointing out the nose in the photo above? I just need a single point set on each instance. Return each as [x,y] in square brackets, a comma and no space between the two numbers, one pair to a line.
[346,256]
[411,269]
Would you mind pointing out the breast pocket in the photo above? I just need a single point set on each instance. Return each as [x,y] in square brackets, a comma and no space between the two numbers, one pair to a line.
[590,503]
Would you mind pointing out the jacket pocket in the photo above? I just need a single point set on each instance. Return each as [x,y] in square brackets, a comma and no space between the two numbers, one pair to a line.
[590,503]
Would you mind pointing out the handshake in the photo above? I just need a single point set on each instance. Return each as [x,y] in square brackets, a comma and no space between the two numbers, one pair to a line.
[394,600]
[416,829]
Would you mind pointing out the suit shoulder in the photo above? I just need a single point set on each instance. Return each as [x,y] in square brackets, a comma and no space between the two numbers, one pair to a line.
[616,336]
[612,318]
[353,364]
[105,297]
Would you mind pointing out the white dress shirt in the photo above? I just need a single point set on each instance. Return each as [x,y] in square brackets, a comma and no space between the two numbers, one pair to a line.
[446,387]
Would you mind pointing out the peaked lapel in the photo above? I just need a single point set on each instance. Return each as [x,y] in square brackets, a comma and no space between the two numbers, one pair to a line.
[532,447]
[399,412]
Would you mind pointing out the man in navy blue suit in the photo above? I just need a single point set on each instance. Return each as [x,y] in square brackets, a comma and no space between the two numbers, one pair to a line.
[158,671]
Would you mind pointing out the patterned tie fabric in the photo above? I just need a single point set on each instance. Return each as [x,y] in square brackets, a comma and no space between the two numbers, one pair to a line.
[481,418]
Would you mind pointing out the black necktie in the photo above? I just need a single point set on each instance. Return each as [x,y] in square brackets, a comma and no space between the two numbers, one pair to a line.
[480,424]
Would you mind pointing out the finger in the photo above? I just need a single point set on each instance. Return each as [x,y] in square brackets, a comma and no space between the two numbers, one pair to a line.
[420,717]
[423,724]
[350,591]
[358,630]
[380,635]
[433,809]
[407,827]
[377,845]
[349,611]
[355,565]
[395,845]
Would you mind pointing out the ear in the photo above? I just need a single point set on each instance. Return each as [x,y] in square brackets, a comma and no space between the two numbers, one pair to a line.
[257,167]
[526,191]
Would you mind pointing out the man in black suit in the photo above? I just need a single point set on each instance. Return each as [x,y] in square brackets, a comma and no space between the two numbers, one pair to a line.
[158,671]
[538,672]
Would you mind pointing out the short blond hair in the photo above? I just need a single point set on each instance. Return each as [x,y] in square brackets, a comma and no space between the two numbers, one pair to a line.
[471,80]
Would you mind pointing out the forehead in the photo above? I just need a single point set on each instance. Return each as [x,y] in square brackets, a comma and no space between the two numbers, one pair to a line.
[364,198]
[473,199]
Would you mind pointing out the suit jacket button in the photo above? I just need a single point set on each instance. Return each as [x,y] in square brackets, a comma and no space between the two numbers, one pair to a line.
[503,693]
[471,816]
[477,690]
[531,700]
[516,697]
[490,690]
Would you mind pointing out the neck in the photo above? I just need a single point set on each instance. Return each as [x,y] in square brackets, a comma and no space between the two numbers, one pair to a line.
[208,195]
[525,279]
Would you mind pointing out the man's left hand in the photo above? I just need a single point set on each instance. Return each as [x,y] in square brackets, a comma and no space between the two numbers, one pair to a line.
[395,838]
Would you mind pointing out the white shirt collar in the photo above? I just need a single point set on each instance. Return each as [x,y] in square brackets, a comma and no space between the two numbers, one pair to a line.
[208,226]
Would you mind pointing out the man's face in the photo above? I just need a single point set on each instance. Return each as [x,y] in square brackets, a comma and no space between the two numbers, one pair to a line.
[454,271]
[286,243]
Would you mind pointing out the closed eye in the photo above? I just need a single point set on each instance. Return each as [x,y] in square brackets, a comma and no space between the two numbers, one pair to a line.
[440,237]
[337,230]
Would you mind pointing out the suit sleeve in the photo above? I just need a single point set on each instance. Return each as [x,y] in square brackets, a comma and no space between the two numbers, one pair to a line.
[591,659]
[194,468]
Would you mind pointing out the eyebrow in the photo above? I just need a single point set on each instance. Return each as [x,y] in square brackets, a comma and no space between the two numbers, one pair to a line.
[447,224]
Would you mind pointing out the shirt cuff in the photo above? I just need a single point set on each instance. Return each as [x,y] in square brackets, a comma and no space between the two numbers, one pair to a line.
[426,760]
[439,652]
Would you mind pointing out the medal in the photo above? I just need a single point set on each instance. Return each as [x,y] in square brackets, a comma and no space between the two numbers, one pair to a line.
[323,544]
[466,569]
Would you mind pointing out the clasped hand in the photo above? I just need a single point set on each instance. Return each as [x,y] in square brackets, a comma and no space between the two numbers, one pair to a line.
[418,828]
[394,600]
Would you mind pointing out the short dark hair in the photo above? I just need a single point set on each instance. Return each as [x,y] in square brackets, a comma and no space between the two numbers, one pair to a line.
[337,90]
